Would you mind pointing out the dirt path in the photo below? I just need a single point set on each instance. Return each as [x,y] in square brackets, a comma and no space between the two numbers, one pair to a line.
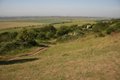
[34,52]
[38,50]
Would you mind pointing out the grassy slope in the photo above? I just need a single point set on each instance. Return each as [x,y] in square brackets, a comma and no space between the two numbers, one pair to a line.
[88,58]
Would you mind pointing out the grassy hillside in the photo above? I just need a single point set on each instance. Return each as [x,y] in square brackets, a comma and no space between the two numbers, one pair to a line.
[69,52]
[88,58]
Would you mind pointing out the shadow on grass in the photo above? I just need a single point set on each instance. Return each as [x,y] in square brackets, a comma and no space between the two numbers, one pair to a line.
[17,61]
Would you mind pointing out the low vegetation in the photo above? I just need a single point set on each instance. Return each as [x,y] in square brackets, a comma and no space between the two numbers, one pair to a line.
[26,38]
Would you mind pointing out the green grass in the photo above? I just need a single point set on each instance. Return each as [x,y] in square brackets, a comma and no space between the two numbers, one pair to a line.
[87,58]
[76,22]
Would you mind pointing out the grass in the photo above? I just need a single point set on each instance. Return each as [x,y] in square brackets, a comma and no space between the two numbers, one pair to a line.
[16,53]
[8,24]
[87,58]
[79,22]
[25,22]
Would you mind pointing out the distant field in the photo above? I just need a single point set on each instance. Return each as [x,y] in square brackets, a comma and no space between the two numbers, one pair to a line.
[5,24]
[76,22]
[58,23]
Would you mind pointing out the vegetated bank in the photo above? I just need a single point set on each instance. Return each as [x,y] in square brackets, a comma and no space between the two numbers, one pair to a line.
[11,42]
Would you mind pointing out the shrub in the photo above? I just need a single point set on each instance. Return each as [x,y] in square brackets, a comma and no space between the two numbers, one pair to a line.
[110,30]
[79,32]
[49,28]
[114,28]
[26,36]
[41,35]
[64,38]
[63,30]
[46,32]
[100,26]
[50,35]
[8,36]
[8,46]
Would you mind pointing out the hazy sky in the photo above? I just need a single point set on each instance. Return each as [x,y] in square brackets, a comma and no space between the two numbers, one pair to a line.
[95,8]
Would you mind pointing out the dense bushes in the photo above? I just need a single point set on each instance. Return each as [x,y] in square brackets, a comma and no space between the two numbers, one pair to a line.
[7,36]
[26,36]
[13,41]
[100,26]
[106,27]
[113,28]
[73,30]
[45,32]
[9,46]
[62,31]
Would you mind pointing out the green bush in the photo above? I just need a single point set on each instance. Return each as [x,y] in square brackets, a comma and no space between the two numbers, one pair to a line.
[26,36]
[50,35]
[8,46]
[41,36]
[114,28]
[8,36]
[64,38]
[46,32]
[63,30]
[73,27]
[100,26]
[79,32]
[49,28]
[110,30]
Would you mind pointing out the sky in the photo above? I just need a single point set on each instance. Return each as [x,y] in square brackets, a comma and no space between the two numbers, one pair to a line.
[89,8]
